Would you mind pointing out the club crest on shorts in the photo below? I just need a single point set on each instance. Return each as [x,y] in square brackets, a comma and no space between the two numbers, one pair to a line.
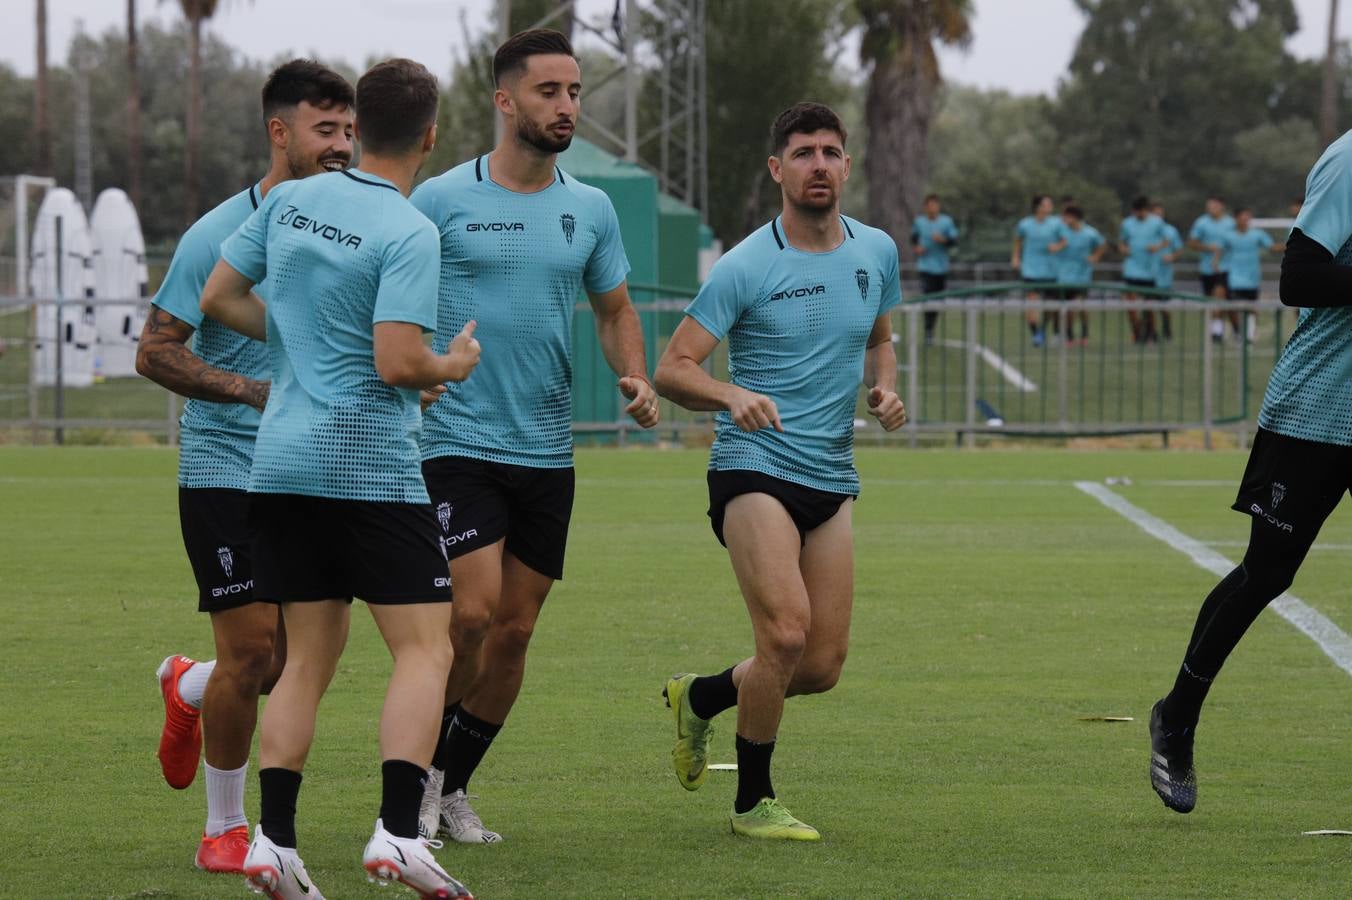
[569,225]
[861,279]
[1278,492]
[227,558]
[444,516]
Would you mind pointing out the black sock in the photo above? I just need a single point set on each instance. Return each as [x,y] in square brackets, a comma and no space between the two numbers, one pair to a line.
[753,773]
[439,755]
[709,695]
[1268,568]
[1033,328]
[400,796]
[277,793]
[466,745]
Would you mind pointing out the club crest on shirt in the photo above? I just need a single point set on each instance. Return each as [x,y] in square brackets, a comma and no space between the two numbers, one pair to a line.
[227,559]
[1278,492]
[861,279]
[569,225]
[444,516]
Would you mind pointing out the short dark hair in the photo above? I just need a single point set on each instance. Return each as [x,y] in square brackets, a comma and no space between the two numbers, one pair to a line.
[1140,201]
[1244,209]
[1074,211]
[1038,198]
[804,118]
[934,197]
[511,57]
[1217,197]
[304,81]
[396,104]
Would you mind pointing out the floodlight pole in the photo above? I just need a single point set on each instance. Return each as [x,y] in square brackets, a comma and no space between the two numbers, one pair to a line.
[22,289]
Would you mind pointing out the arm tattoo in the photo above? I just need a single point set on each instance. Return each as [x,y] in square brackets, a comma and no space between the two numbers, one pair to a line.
[163,357]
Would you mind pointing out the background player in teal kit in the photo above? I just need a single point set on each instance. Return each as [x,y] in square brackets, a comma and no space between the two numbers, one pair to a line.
[336,489]
[803,304]
[520,240]
[1242,249]
[1140,237]
[1299,467]
[933,237]
[1205,237]
[307,112]
[1165,258]
[1080,247]
[1031,256]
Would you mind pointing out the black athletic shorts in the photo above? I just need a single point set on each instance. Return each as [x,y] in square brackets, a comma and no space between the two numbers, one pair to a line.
[1215,280]
[808,507]
[1140,282]
[1244,294]
[931,283]
[322,548]
[479,503]
[1072,294]
[218,539]
[1293,484]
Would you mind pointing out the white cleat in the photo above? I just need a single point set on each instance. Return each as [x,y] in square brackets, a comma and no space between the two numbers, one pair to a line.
[461,823]
[429,811]
[277,871]
[409,861]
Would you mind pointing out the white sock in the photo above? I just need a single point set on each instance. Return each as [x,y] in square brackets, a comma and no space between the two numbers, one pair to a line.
[225,799]
[1217,327]
[193,685]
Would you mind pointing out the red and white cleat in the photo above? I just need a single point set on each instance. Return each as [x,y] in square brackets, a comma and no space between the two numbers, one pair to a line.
[225,852]
[181,738]
[409,861]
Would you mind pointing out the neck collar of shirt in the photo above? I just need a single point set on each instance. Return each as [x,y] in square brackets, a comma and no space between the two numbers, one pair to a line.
[368,178]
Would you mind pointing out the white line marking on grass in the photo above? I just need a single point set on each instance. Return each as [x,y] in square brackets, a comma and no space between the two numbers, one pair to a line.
[997,362]
[1309,621]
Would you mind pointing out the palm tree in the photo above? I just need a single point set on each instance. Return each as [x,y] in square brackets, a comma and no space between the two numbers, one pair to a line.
[196,12]
[42,129]
[899,40]
[1328,105]
[133,109]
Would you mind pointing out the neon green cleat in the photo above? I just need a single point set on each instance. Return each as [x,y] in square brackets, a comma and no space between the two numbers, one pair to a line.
[770,820]
[690,756]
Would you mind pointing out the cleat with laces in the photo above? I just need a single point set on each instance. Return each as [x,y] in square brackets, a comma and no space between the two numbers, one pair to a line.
[690,756]
[461,823]
[429,810]
[770,820]
[409,861]
[277,872]
[225,852]
[1171,771]
[181,737]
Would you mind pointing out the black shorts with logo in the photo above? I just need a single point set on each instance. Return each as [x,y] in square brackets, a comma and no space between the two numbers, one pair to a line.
[218,539]
[1140,282]
[1244,294]
[478,503]
[323,548]
[933,282]
[808,507]
[1293,484]
[1215,280]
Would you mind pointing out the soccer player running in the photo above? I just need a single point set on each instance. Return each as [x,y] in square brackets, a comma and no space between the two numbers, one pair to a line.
[336,489]
[933,236]
[1299,467]
[1243,248]
[1080,248]
[1205,237]
[307,113]
[803,304]
[1031,255]
[520,239]
[1165,258]
[1139,239]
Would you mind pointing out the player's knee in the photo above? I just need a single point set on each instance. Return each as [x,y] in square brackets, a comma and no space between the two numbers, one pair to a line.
[819,675]
[784,642]
[512,636]
[470,627]
[249,664]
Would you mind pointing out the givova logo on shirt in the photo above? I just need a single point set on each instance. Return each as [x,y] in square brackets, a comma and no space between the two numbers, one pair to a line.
[293,217]
[794,293]
[496,226]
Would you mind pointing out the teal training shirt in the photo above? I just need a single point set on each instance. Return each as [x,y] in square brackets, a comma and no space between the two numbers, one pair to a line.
[1035,262]
[516,264]
[797,325]
[1210,231]
[1140,235]
[934,261]
[1309,395]
[1072,263]
[342,252]
[1244,251]
[1164,271]
[216,440]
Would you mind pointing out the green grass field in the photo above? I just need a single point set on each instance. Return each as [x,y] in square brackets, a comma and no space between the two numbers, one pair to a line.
[995,604]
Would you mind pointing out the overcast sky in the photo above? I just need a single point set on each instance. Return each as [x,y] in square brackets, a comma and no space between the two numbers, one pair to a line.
[1020,45]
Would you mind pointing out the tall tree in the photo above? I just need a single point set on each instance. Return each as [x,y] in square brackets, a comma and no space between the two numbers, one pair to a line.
[899,46]
[133,109]
[196,12]
[42,127]
[1328,99]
